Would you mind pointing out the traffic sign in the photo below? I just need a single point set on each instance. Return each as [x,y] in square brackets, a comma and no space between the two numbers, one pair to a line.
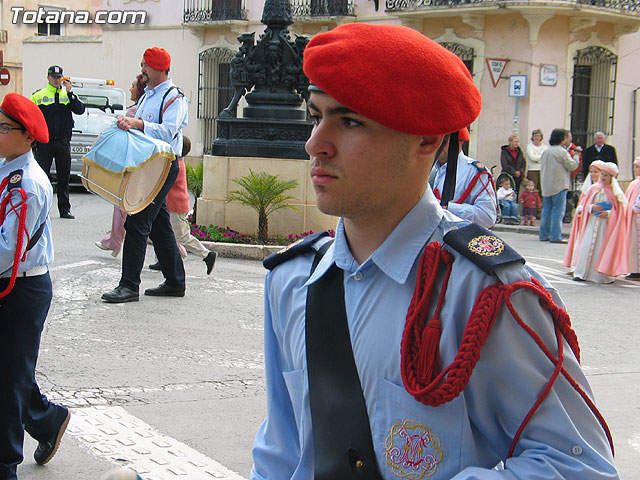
[496,68]
[4,76]
[518,86]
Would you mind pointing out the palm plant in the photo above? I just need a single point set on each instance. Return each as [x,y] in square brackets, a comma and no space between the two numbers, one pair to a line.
[265,194]
[195,176]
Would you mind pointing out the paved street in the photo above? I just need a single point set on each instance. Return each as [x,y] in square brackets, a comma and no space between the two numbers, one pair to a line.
[175,386]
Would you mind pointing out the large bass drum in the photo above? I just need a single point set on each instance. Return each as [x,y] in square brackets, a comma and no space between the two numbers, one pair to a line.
[126,168]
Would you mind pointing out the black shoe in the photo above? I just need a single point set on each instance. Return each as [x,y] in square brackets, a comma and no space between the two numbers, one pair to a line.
[210,260]
[578,279]
[46,450]
[155,266]
[67,215]
[164,290]
[634,276]
[120,294]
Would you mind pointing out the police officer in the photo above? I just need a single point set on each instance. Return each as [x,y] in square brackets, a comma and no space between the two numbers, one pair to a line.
[57,104]
[26,250]
[162,113]
[414,347]
[475,196]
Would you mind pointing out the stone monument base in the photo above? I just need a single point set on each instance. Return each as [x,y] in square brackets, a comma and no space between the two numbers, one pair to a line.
[219,172]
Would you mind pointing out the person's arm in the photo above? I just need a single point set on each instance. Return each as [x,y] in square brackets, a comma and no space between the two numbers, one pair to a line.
[76,105]
[276,450]
[569,162]
[563,438]
[614,155]
[9,228]
[482,206]
[533,157]
[636,206]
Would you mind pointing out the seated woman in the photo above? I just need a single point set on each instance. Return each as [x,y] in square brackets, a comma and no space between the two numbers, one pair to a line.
[597,249]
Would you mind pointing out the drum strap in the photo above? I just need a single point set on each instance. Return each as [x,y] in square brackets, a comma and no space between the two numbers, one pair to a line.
[343,447]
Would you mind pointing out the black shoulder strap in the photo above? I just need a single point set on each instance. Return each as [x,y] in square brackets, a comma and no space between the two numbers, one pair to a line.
[303,245]
[162,107]
[343,447]
[482,247]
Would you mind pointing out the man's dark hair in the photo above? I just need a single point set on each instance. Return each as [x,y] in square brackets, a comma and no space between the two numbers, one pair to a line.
[558,135]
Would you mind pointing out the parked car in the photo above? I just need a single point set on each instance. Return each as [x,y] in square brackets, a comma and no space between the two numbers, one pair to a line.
[103,104]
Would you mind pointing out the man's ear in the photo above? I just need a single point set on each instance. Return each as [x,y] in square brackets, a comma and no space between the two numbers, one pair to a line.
[430,144]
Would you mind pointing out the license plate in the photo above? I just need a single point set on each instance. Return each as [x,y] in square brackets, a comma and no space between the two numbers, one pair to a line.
[80,149]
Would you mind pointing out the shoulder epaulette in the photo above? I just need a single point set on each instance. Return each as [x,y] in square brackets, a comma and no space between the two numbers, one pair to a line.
[303,245]
[479,166]
[482,247]
[15,180]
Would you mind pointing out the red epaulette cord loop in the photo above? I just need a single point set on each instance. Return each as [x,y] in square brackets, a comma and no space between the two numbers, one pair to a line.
[420,340]
[22,220]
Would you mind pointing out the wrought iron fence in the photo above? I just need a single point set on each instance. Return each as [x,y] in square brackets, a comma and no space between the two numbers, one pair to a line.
[322,8]
[620,5]
[198,11]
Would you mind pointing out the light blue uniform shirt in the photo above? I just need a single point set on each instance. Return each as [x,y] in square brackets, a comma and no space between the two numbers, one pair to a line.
[39,199]
[480,205]
[466,438]
[174,119]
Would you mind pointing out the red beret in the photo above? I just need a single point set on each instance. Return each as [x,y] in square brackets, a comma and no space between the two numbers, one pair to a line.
[22,110]
[395,76]
[464,135]
[157,58]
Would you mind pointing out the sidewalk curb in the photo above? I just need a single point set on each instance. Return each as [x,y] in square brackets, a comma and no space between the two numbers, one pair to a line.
[260,252]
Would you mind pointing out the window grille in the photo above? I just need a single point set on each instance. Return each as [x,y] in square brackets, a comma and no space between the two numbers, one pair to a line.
[593,95]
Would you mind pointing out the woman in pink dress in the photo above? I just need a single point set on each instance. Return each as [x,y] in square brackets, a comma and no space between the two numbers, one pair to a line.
[600,253]
[633,222]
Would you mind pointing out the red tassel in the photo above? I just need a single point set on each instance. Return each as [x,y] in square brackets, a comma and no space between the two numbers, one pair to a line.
[428,364]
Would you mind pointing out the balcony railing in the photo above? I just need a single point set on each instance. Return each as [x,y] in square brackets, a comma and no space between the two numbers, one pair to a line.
[204,11]
[322,8]
[618,5]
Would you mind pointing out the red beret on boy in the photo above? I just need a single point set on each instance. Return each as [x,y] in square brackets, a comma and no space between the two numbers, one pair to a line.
[464,135]
[395,76]
[157,58]
[23,111]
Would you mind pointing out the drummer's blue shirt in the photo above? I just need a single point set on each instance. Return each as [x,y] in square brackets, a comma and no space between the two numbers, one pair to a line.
[174,119]
[39,200]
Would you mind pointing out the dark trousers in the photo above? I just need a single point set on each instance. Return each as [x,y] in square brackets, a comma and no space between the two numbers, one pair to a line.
[152,222]
[60,149]
[22,406]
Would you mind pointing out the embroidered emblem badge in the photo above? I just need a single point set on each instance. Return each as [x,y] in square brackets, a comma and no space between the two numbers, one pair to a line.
[290,246]
[486,245]
[16,178]
[413,452]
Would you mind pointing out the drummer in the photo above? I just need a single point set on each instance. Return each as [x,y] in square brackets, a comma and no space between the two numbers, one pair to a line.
[25,287]
[162,114]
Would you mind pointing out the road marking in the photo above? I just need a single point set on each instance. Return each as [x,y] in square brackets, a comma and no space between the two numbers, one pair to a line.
[635,442]
[127,441]
[68,266]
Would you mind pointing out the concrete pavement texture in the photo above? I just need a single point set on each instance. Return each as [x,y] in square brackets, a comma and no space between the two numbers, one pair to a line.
[174,387]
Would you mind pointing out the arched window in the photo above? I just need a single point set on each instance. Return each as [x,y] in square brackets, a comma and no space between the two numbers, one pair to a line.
[214,90]
[593,95]
[465,53]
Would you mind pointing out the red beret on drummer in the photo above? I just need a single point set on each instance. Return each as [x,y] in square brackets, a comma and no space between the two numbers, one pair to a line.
[23,111]
[157,58]
[394,75]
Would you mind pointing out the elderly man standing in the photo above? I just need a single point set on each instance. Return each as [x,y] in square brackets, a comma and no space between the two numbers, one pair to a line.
[556,166]
[162,113]
[598,151]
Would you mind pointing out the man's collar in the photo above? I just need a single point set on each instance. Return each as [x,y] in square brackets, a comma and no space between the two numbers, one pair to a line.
[397,254]
[158,88]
